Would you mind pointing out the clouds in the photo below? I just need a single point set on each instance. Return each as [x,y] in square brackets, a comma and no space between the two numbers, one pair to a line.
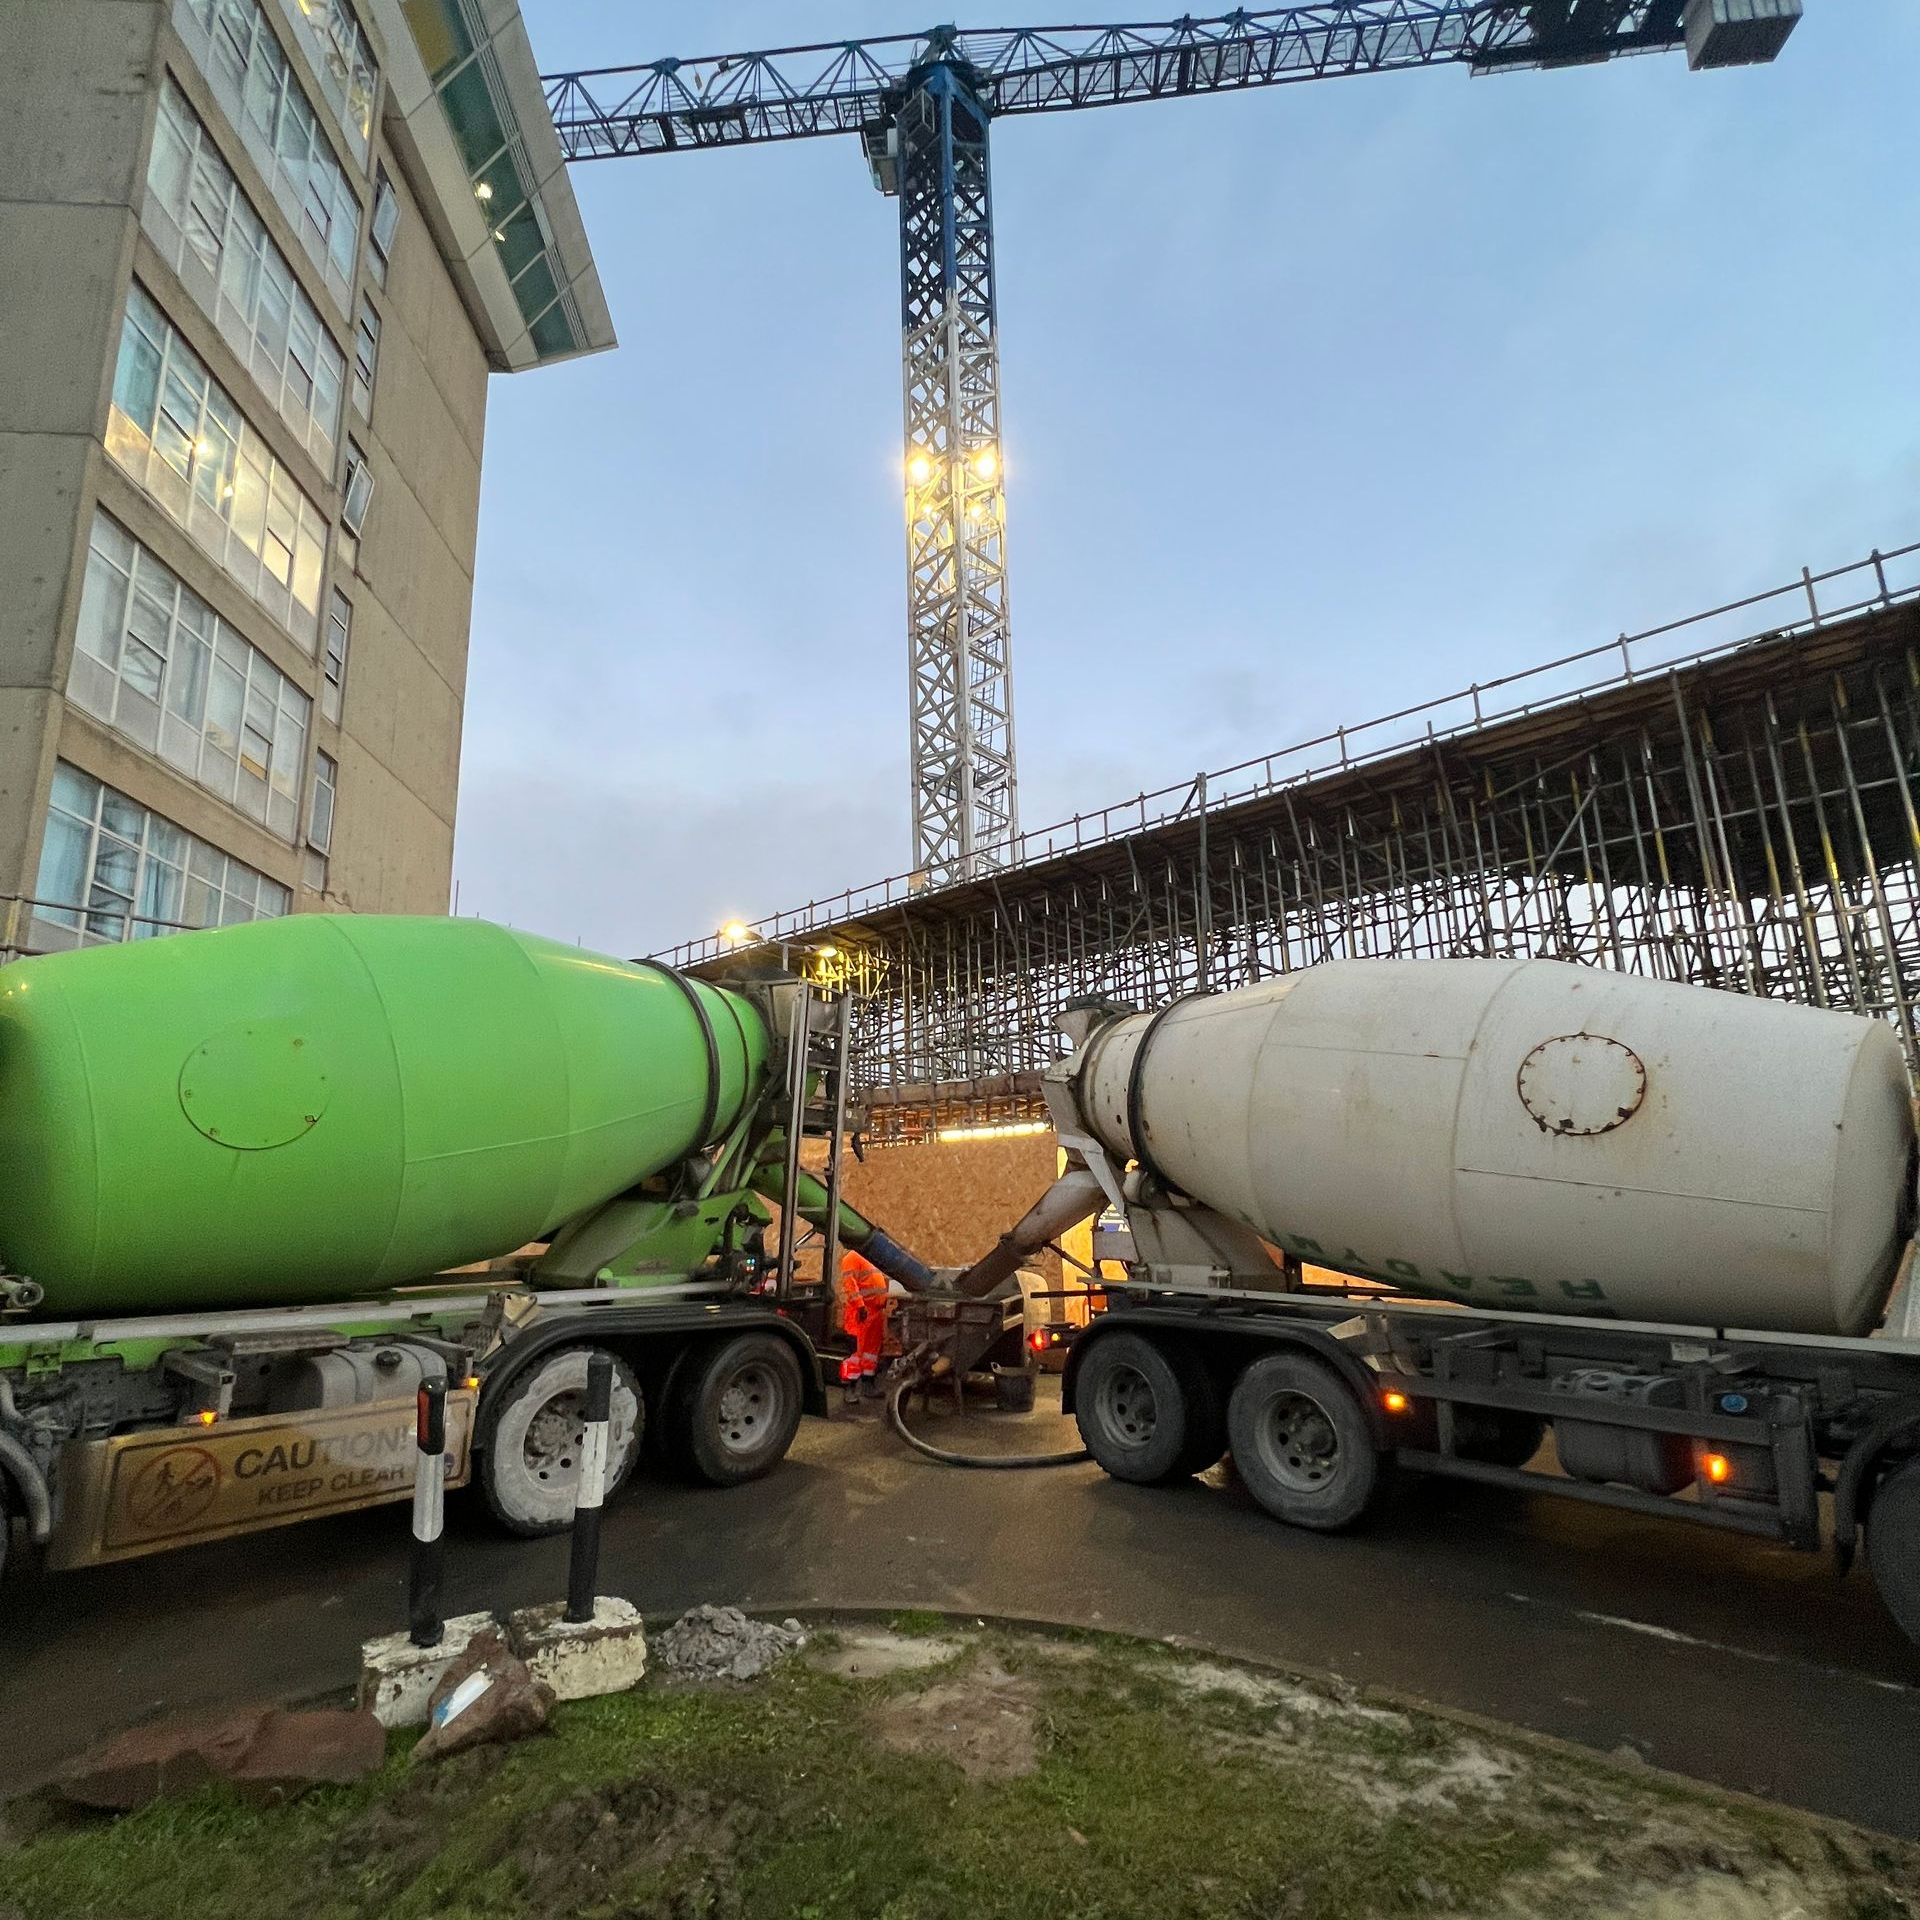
[629,865]
[1319,401]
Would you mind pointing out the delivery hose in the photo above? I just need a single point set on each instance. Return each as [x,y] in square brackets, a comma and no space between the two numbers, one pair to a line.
[911,1376]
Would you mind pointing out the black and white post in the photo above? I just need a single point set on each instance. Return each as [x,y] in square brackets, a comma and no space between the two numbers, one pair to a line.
[429,1515]
[583,1565]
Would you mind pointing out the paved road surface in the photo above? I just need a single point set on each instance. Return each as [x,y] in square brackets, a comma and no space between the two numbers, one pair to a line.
[1724,1658]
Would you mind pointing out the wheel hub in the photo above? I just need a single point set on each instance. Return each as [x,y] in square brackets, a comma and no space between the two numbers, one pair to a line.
[746,1407]
[555,1436]
[1301,1444]
[1128,1405]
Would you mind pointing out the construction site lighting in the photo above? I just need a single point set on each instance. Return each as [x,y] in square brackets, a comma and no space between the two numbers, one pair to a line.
[827,953]
[735,933]
[1007,1130]
[986,463]
[919,469]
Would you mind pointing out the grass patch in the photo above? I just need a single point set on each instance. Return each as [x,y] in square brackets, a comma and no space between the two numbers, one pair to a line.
[1146,1788]
[919,1624]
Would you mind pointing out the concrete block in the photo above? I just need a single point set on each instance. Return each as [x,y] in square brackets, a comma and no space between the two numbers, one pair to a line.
[397,1678]
[578,1660]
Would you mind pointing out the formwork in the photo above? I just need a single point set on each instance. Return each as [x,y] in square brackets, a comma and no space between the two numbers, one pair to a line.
[1732,800]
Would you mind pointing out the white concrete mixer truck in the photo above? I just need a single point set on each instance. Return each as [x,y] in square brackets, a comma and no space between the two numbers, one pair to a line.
[1429,1215]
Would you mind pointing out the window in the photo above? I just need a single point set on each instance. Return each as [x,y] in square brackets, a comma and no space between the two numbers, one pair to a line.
[326,783]
[110,869]
[175,431]
[154,662]
[366,358]
[210,234]
[386,222]
[359,491]
[265,103]
[344,61]
[339,630]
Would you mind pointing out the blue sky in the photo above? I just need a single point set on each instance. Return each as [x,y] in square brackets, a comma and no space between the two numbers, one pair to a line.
[1318,400]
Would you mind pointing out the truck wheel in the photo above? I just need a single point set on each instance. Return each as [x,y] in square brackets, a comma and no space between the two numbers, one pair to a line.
[1893,1546]
[1147,1412]
[736,1409]
[1302,1444]
[530,1470]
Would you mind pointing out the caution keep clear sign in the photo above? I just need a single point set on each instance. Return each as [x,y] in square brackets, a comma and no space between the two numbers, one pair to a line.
[171,1487]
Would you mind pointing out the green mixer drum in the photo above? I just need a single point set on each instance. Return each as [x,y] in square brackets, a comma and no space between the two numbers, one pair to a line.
[326,1105]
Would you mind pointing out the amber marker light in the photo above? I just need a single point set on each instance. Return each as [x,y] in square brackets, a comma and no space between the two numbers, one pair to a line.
[471,1383]
[206,1416]
[1716,1466]
[1395,1401]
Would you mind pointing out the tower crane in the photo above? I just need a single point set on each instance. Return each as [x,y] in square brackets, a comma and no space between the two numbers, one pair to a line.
[922,105]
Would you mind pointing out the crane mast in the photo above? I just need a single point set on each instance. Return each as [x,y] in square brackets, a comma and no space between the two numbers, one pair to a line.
[959,650]
[922,105]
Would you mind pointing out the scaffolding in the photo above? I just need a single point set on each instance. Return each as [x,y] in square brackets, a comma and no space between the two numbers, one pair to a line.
[1732,800]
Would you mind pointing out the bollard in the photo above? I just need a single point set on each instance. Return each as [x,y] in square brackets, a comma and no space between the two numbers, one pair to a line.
[583,1563]
[429,1515]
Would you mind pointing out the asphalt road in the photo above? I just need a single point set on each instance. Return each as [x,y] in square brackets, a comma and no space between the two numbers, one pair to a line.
[1728,1659]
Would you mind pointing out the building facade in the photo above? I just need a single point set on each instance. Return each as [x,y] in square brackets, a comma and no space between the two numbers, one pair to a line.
[262,257]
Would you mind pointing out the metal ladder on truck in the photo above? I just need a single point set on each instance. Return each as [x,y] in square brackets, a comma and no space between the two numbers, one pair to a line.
[816,1067]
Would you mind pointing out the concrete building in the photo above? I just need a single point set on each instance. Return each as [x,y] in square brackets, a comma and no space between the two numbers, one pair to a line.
[261,257]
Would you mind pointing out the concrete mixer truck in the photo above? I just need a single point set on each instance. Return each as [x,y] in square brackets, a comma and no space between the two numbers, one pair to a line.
[257,1184]
[1423,1215]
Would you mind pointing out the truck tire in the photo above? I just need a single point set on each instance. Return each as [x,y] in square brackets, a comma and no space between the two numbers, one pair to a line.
[1302,1444]
[530,1469]
[736,1409]
[1893,1546]
[1147,1410]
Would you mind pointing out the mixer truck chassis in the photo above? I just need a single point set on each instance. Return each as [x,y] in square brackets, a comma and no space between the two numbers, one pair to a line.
[1323,1397]
[128,1438]
[137,1437]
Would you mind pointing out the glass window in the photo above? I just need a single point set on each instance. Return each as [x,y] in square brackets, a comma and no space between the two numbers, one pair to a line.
[333,687]
[136,380]
[326,779]
[359,491]
[171,161]
[263,99]
[183,438]
[111,869]
[146,644]
[253,294]
[386,222]
[366,357]
[343,58]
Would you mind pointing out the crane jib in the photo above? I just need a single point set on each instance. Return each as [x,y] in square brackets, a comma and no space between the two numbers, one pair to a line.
[922,105]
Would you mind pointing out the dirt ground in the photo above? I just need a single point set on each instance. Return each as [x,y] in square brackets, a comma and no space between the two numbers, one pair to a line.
[927,1769]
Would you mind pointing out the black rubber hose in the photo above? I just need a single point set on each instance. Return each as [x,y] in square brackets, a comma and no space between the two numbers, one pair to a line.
[897,1419]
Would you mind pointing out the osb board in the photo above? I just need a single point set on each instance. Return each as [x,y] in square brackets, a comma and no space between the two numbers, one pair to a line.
[949,1201]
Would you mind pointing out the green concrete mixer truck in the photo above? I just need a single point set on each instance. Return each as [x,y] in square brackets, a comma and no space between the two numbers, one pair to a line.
[256,1185]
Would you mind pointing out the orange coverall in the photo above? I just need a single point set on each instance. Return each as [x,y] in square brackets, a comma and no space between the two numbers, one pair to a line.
[863,1315]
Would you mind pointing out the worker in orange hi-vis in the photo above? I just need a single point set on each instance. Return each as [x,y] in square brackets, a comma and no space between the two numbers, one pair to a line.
[863,1316]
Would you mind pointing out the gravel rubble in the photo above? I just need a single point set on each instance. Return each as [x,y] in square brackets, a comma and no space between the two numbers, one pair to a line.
[721,1643]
